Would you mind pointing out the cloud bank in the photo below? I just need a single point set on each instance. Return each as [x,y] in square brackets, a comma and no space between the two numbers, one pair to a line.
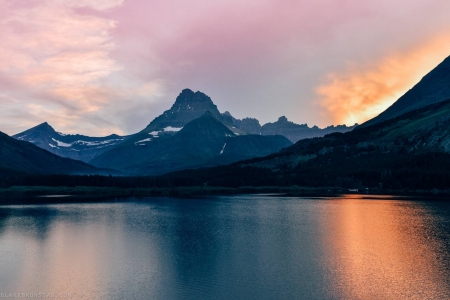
[103,66]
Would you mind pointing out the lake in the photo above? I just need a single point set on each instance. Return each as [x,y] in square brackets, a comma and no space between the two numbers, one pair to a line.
[234,247]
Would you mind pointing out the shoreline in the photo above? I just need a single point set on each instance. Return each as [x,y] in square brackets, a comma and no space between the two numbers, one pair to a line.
[45,194]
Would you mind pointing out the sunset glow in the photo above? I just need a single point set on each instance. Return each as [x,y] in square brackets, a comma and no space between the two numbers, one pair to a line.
[363,91]
[102,66]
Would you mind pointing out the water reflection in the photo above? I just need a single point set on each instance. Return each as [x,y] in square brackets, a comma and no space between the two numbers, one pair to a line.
[246,247]
[388,249]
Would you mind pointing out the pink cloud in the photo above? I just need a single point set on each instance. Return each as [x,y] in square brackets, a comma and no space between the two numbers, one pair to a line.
[103,66]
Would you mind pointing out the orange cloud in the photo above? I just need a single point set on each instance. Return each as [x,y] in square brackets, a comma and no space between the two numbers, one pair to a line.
[365,90]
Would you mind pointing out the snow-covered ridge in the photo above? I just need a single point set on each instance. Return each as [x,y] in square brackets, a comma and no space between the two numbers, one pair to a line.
[85,143]
[96,143]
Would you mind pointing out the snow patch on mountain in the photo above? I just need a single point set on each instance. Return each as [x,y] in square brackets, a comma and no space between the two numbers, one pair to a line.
[170,128]
[143,141]
[84,143]
[96,143]
[221,152]
[61,144]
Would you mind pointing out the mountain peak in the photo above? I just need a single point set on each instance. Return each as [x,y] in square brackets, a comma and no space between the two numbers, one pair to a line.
[187,96]
[282,119]
[206,123]
[187,107]
[208,114]
[43,126]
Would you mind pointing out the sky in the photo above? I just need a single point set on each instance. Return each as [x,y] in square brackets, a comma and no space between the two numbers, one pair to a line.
[98,67]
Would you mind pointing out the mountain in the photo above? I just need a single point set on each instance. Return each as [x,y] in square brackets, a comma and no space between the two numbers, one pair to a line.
[248,146]
[76,146]
[202,141]
[24,157]
[187,107]
[433,88]
[295,132]
[408,151]
[250,126]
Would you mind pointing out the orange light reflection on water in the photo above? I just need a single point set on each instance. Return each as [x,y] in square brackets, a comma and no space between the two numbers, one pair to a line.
[371,257]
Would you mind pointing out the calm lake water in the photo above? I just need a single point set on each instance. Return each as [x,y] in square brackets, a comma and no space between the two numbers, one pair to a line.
[239,247]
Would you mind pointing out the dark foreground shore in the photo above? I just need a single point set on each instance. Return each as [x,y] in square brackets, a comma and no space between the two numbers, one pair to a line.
[43,194]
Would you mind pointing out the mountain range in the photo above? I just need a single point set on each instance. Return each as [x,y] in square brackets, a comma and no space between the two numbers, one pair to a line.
[162,145]
[409,151]
[193,134]
[408,145]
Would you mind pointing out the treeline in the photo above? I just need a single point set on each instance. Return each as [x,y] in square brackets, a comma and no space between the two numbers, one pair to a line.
[337,169]
[372,169]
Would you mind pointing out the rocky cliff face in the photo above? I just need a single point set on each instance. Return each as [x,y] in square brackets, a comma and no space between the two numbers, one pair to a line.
[250,126]
[229,120]
[187,107]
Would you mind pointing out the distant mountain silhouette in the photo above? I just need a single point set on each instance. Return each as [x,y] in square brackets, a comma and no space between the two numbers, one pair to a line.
[295,132]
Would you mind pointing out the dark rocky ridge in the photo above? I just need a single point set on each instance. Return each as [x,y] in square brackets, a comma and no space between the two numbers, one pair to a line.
[433,88]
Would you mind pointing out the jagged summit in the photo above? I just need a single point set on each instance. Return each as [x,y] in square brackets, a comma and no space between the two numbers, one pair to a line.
[187,107]
[188,96]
